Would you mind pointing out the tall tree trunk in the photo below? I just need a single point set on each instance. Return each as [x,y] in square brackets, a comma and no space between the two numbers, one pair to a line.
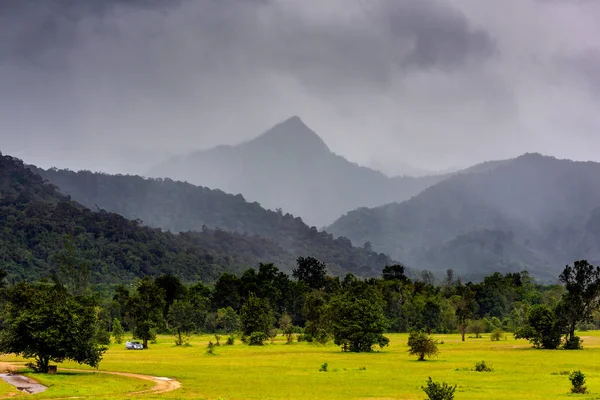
[42,363]
[145,343]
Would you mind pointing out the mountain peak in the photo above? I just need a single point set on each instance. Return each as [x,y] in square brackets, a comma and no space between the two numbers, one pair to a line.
[292,134]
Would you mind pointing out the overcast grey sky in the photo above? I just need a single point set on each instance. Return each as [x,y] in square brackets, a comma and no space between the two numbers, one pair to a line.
[121,84]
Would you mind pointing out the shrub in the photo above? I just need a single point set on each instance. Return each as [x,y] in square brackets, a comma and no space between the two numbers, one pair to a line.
[305,337]
[323,367]
[422,345]
[272,335]
[218,340]
[483,367]
[497,334]
[437,391]
[577,379]
[118,331]
[573,343]
[230,340]
[257,339]
[210,349]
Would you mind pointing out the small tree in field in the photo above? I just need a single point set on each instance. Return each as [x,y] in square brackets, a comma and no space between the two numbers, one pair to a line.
[117,331]
[422,345]
[439,391]
[577,379]
[285,324]
[477,327]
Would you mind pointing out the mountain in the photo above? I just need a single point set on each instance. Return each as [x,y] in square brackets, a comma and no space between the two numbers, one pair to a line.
[532,212]
[181,207]
[37,221]
[290,167]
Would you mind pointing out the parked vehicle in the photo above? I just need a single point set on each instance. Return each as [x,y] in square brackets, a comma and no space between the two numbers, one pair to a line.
[134,346]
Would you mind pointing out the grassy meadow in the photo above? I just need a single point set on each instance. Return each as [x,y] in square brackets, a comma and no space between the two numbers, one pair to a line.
[282,371]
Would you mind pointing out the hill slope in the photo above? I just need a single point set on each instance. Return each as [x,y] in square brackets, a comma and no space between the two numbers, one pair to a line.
[290,167]
[182,207]
[36,220]
[531,212]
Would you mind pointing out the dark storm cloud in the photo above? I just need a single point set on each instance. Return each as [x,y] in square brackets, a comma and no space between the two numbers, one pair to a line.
[84,83]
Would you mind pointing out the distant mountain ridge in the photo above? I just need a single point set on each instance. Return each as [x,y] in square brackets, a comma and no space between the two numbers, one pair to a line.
[290,167]
[532,212]
[182,207]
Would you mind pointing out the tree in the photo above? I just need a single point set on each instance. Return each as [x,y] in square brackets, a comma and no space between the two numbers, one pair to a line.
[439,391]
[543,329]
[432,315]
[146,307]
[358,323]
[311,271]
[181,319]
[582,282]
[117,331]
[466,308]
[286,326]
[47,323]
[394,272]
[256,315]
[173,289]
[422,345]
[477,327]
[228,320]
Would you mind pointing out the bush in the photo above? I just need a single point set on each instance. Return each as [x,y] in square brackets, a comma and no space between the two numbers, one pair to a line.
[305,337]
[574,343]
[257,339]
[437,391]
[483,367]
[497,334]
[218,340]
[230,340]
[118,331]
[422,345]
[272,335]
[577,379]
[323,367]
[210,349]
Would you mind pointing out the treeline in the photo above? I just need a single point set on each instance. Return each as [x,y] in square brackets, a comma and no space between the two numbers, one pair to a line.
[318,307]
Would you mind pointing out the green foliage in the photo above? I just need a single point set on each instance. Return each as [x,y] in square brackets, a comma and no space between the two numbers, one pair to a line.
[422,345]
[286,326]
[324,367]
[228,320]
[46,323]
[182,317]
[582,297]
[146,307]
[221,221]
[439,391]
[573,343]
[230,340]
[481,366]
[210,348]
[257,339]
[117,331]
[310,271]
[543,329]
[577,379]
[358,321]
[497,334]
[477,327]
[256,315]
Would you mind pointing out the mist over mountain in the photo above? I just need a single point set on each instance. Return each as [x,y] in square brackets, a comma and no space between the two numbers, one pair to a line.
[182,207]
[531,212]
[291,167]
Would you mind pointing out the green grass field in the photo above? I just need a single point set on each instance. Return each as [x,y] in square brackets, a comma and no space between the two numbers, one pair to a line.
[281,371]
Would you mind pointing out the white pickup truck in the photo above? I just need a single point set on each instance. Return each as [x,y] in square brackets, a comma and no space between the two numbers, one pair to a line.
[134,346]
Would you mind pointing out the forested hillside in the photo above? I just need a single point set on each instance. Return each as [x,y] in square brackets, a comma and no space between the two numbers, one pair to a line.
[37,222]
[291,167]
[181,207]
[532,212]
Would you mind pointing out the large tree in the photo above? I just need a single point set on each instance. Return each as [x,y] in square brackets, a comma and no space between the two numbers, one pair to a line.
[582,282]
[256,315]
[47,323]
[543,329]
[311,271]
[146,308]
[466,307]
[358,322]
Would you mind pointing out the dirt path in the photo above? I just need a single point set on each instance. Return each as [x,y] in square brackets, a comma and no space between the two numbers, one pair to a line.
[23,383]
[161,384]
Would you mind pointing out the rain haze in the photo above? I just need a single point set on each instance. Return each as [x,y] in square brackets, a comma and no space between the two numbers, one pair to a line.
[119,86]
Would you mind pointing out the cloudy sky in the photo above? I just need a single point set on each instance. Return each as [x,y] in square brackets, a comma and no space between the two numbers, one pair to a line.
[118,85]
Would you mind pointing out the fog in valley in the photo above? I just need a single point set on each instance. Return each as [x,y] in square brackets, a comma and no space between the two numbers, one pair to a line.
[406,87]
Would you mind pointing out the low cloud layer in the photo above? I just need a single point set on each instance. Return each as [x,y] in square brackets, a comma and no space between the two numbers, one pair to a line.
[119,85]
